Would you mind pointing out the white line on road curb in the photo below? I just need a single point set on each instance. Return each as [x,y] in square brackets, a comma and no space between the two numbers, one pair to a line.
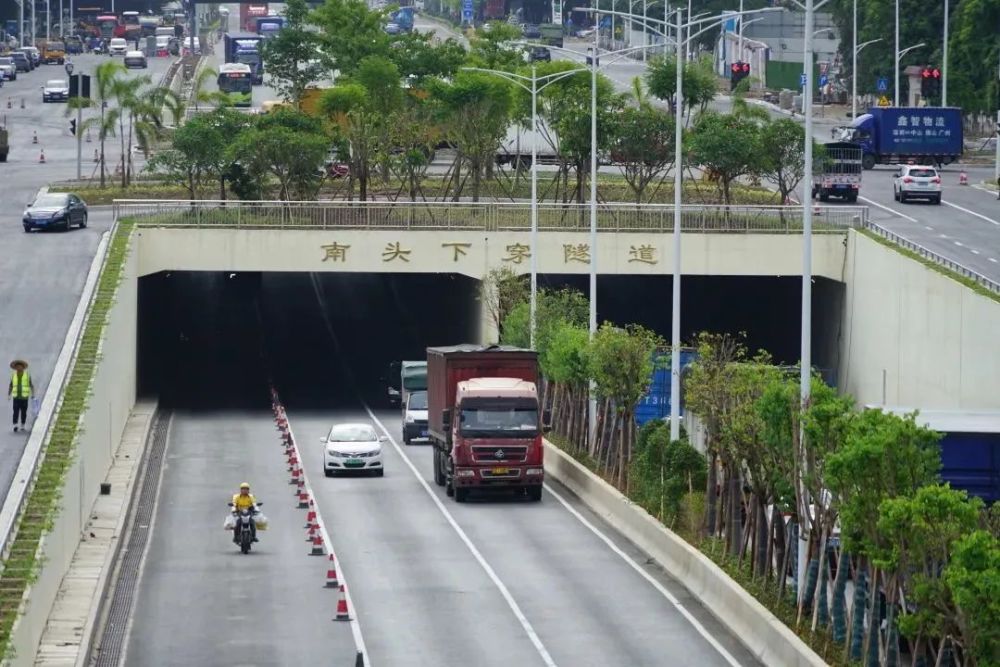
[648,577]
[978,215]
[886,208]
[511,602]
[359,640]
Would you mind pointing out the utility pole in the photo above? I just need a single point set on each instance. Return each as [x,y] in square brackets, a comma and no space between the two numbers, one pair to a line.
[944,60]
[895,73]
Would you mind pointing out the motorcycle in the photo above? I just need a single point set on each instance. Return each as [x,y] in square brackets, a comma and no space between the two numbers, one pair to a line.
[242,530]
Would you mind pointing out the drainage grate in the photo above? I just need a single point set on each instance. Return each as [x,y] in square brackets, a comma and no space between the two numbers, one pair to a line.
[112,644]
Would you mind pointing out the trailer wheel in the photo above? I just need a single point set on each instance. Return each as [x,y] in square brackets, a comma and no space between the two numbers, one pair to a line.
[461,495]
[438,474]
[868,161]
[534,493]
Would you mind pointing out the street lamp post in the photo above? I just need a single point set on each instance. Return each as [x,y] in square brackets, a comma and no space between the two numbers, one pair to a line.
[899,57]
[944,60]
[854,76]
[534,89]
[895,99]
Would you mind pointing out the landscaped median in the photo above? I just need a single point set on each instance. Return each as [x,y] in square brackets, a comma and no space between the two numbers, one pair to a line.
[765,635]
[47,530]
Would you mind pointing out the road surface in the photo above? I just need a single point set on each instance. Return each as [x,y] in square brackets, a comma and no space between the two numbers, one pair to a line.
[43,273]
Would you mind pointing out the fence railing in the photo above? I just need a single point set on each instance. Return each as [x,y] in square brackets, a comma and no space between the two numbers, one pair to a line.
[492,216]
[951,265]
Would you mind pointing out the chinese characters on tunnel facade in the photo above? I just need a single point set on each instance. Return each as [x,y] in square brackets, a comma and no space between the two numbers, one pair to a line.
[515,253]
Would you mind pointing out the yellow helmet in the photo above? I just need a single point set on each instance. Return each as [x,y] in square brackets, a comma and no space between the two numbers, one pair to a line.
[245,485]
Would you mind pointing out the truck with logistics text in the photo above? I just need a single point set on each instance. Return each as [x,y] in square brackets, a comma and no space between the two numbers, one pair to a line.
[837,172]
[898,135]
[245,48]
[484,419]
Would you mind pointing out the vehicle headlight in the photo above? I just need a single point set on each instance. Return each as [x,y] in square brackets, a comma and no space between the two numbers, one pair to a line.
[333,452]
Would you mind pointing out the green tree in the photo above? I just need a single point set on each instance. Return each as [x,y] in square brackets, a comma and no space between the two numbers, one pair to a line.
[553,308]
[282,150]
[103,94]
[700,82]
[494,47]
[350,32]
[565,363]
[643,143]
[475,109]
[418,57]
[621,361]
[293,58]
[782,156]
[500,292]
[664,471]
[973,576]
[919,533]
[727,146]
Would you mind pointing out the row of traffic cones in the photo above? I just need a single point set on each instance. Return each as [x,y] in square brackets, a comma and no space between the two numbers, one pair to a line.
[314,534]
[10,103]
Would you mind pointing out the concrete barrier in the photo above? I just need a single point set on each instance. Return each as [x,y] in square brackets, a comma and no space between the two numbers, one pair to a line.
[109,405]
[761,632]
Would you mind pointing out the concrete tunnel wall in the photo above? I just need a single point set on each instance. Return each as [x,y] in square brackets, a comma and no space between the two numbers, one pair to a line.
[934,338]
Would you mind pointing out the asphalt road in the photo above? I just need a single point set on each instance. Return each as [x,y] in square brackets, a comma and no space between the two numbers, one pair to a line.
[200,601]
[43,273]
[965,229]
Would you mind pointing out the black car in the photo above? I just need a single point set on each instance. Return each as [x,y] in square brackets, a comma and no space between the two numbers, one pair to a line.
[539,53]
[21,60]
[55,210]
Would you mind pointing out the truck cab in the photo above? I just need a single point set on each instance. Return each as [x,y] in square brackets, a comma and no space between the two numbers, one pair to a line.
[485,420]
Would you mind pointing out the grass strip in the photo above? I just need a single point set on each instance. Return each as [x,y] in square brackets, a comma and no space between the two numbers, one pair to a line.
[42,506]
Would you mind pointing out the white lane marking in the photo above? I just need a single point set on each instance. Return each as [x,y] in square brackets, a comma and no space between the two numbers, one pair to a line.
[992,260]
[490,572]
[359,640]
[965,210]
[886,208]
[944,236]
[958,243]
[974,251]
[929,228]
[648,577]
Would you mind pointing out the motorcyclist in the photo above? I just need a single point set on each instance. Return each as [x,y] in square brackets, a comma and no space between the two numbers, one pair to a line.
[241,501]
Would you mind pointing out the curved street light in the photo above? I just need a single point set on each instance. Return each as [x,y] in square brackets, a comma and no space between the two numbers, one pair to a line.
[854,72]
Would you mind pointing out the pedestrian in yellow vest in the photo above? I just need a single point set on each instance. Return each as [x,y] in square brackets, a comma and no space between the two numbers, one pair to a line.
[20,390]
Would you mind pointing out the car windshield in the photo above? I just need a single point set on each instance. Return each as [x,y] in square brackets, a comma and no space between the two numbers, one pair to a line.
[418,400]
[352,433]
[923,173]
[55,83]
[51,200]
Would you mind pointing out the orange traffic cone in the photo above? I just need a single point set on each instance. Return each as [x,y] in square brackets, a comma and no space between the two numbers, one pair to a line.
[342,614]
[8,103]
[317,547]
[963,178]
[88,136]
[311,536]
[41,156]
[303,500]
[331,574]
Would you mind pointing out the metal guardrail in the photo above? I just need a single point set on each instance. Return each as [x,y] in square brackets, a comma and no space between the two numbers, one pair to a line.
[491,216]
[941,260]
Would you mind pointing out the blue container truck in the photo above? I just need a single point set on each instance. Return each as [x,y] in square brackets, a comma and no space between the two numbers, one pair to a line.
[245,48]
[656,403]
[897,135]
[403,17]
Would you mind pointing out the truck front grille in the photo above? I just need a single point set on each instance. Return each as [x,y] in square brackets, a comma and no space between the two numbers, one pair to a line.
[499,454]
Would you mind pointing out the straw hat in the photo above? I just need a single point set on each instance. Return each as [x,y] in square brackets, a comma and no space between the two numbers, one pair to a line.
[19,362]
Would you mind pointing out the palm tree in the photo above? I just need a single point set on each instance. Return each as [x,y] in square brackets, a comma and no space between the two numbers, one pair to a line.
[127,95]
[106,76]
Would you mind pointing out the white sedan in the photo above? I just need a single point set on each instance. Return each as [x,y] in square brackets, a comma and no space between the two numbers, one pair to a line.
[354,447]
[56,90]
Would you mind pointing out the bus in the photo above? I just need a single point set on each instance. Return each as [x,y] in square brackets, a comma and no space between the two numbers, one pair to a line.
[234,78]
[108,26]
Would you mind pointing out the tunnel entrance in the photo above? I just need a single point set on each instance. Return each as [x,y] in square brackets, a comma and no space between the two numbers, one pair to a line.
[212,340]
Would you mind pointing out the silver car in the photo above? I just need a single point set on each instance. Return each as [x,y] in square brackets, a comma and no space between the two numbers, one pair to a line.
[56,90]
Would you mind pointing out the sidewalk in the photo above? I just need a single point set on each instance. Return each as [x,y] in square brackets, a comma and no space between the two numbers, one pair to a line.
[70,627]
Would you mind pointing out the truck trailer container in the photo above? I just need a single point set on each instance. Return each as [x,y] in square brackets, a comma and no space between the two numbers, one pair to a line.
[898,135]
[245,48]
[484,419]
[838,172]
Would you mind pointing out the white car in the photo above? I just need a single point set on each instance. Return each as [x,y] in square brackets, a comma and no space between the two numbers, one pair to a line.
[415,416]
[8,70]
[917,182]
[354,446]
[135,59]
[56,90]
[118,46]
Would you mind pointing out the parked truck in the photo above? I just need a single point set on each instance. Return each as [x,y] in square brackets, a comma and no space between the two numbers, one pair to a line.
[551,34]
[245,48]
[484,418]
[897,135]
[838,172]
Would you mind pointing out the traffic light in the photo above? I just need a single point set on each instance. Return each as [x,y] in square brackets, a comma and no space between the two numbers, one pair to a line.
[737,72]
[935,82]
[925,82]
[72,126]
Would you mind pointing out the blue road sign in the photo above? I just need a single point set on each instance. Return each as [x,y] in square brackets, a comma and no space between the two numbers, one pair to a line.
[467,11]
[802,80]
[823,80]
[883,84]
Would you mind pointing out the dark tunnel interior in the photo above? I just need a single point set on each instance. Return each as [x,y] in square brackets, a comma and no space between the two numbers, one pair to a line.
[212,340]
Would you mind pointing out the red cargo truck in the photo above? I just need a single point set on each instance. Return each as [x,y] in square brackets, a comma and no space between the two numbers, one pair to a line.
[484,419]
[249,13]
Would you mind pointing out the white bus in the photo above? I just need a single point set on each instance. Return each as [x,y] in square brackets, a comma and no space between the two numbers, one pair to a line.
[235,79]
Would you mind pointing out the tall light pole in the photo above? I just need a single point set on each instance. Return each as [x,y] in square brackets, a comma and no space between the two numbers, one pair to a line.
[854,62]
[592,412]
[895,99]
[944,60]
[534,89]
[739,36]
[854,76]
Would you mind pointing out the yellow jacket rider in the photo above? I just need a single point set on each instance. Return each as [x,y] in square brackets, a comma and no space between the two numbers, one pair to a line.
[245,500]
